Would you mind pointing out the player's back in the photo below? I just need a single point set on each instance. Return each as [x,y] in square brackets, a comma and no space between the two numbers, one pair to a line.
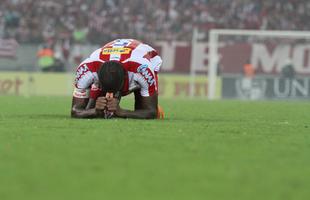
[125,50]
[140,60]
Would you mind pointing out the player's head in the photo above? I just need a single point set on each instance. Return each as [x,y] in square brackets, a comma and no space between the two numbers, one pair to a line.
[111,76]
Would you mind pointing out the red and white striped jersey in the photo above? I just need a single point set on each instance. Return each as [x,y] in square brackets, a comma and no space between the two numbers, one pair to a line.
[140,61]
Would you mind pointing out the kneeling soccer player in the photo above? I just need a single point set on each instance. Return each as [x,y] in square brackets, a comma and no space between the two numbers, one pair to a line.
[117,69]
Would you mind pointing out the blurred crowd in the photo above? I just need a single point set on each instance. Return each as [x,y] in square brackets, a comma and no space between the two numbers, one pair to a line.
[98,21]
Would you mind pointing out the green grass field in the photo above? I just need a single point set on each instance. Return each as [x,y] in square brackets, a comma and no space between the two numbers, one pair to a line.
[202,150]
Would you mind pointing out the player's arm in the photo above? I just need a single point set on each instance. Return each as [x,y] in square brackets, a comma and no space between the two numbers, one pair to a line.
[87,107]
[146,99]
[85,103]
[145,107]
[82,108]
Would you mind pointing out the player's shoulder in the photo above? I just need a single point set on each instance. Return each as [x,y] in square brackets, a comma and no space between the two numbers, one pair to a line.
[93,62]
[135,65]
[145,47]
[136,62]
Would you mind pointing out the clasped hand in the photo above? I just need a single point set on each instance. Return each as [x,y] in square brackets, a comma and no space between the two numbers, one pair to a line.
[111,104]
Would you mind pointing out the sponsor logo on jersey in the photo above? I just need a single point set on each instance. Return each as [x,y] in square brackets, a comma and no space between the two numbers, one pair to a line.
[116,50]
[147,74]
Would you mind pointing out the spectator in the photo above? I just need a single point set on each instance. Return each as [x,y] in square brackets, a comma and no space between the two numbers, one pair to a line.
[103,20]
[248,70]
[46,59]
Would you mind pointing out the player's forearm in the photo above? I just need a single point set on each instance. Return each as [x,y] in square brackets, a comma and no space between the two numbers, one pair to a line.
[137,114]
[80,113]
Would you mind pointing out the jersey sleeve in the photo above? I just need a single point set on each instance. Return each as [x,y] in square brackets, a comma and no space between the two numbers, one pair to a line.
[147,80]
[153,57]
[83,80]
[86,75]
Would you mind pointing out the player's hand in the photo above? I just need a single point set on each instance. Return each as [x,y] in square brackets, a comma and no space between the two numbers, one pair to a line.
[101,103]
[112,104]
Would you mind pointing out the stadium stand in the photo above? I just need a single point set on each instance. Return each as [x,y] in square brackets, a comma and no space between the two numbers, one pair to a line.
[98,21]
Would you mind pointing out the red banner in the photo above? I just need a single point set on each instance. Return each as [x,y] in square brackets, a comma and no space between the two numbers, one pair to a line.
[266,58]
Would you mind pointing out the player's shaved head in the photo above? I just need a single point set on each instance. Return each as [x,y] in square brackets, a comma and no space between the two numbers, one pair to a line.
[111,76]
